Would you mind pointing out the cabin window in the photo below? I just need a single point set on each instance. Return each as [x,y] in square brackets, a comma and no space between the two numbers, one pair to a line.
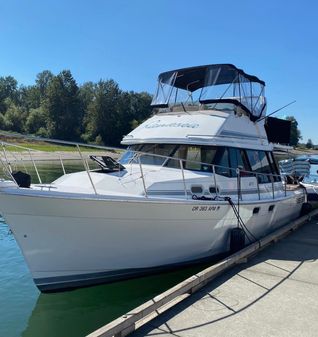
[238,159]
[197,189]
[157,149]
[201,158]
[273,166]
[259,164]
[195,158]
[149,150]
[222,162]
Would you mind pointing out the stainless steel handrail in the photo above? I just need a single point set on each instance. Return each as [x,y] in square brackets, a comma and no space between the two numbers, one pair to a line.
[142,177]
[35,168]
[268,176]
[62,164]
[139,154]
[184,184]
[87,169]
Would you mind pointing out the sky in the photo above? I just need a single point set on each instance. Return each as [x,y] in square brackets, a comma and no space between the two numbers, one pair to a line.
[132,41]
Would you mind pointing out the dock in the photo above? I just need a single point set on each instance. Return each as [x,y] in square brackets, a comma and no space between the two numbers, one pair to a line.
[269,288]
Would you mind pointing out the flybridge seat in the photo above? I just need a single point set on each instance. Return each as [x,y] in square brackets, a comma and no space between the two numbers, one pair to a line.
[212,85]
[294,170]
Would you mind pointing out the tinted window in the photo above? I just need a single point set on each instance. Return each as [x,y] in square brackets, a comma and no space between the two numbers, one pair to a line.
[157,149]
[238,160]
[193,157]
[222,162]
[273,166]
[259,163]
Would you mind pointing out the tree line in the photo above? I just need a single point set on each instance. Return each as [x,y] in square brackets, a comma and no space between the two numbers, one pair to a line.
[57,107]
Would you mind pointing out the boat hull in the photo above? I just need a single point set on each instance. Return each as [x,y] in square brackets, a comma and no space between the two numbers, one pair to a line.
[71,242]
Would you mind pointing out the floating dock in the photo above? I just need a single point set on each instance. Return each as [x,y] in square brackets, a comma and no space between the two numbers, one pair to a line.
[262,290]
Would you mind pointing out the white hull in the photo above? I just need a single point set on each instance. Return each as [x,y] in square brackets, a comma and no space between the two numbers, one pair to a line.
[150,209]
[71,241]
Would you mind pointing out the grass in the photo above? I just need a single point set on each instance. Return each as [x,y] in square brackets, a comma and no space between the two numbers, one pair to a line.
[42,145]
[48,147]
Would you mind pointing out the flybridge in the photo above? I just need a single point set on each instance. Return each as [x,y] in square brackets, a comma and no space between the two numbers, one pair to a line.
[217,86]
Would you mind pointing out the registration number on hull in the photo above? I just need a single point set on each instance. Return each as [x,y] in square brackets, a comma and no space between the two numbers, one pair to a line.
[205,208]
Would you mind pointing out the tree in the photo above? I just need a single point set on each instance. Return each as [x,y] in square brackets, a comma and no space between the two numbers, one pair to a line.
[63,107]
[14,118]
[56,107]
[29,97]
[112,113]
[36,120]
[103,114]
[8,89]
[86,95]
[43,80]
[295,134]
[140,106]
[309,144]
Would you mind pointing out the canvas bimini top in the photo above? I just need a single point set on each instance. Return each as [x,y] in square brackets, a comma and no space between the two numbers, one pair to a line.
[212,84]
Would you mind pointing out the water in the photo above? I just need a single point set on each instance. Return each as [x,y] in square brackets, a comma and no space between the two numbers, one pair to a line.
[313,175]
[24,311]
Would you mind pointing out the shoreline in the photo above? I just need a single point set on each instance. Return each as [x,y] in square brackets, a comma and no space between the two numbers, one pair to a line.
[40,155]
[13,156]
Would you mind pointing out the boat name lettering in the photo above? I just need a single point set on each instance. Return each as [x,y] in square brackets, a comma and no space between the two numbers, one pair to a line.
[172,125]
[205,208]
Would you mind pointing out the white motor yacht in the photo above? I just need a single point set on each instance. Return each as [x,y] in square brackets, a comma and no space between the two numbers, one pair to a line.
[200,167]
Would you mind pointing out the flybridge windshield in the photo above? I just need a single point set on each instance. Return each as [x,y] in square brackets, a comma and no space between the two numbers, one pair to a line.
[213,85]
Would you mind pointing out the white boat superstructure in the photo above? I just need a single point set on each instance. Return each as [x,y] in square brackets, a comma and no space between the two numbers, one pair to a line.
[195,170]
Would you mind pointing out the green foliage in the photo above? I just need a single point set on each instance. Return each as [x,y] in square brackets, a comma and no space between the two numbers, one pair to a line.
[56,107]
[36,121]
[295,134]
[63,107]
[29,97]
[112,112]
[103,113]
[14,118]
[8,90]
[309,144]
[42,81]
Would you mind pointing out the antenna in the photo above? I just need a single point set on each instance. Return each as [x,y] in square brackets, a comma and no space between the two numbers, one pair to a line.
[283,107]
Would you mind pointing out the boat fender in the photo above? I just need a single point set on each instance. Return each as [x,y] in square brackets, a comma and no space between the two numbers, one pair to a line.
[237,239]
[22,179]
[305,208]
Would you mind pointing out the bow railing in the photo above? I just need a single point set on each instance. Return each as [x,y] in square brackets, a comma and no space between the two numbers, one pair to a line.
[265,185]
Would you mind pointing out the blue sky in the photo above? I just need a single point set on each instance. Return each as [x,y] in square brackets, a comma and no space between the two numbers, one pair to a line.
[132,41]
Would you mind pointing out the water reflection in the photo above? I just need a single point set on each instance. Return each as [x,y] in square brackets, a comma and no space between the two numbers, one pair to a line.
[18,293]
[81,311]
[72,313]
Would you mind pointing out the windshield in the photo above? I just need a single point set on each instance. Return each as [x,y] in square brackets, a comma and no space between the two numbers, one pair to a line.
[154,151]
[224,160]
[194,157]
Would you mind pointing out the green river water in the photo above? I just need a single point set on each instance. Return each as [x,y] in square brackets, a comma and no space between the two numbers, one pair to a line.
[24,311]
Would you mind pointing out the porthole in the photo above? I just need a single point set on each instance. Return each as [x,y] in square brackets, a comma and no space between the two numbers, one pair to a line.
[197,189]
[256,210]
[212,189]
[271,208]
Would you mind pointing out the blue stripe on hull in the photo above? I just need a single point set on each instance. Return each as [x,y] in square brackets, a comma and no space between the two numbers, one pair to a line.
[63,283]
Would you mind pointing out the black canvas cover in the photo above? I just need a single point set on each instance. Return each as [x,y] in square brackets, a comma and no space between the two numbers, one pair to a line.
[213,83]
[194,78]
[278,130]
